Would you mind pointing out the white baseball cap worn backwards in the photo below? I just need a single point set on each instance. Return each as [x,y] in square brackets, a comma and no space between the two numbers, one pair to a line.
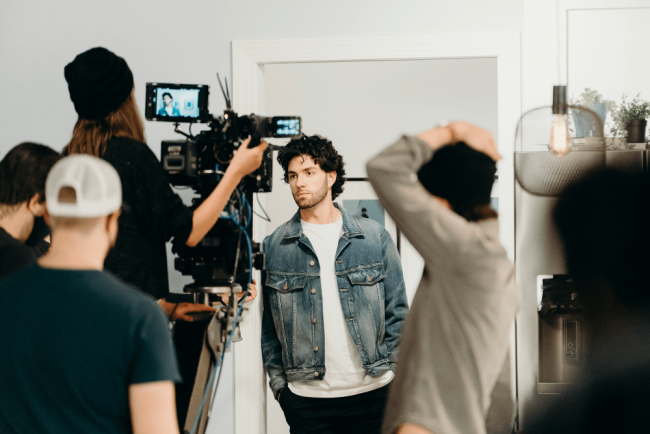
[82,186]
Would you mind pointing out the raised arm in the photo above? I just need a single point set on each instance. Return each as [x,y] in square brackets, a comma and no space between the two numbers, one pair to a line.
[245,161]
[431,228]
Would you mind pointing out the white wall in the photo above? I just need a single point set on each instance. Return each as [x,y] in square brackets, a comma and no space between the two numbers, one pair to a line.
[603,53]
[188,42]
[364,106]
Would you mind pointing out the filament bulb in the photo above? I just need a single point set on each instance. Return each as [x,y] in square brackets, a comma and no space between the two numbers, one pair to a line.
[560,144]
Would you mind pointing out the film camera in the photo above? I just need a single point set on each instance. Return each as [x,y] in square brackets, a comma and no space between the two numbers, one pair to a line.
[223,261]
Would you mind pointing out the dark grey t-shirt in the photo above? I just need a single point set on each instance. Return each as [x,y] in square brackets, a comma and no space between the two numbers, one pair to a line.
[72,341]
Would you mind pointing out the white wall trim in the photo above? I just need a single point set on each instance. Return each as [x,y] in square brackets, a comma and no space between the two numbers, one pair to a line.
[566,6]
[249,58]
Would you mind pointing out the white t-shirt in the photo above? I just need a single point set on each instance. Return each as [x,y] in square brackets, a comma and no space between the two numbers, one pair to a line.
[169,109]
[344,375]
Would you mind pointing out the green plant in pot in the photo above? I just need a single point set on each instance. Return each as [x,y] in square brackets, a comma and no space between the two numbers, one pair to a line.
[594,101]
[632,116]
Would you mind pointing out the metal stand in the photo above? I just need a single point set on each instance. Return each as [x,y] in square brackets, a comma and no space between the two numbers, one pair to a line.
[214,341]
[201,295]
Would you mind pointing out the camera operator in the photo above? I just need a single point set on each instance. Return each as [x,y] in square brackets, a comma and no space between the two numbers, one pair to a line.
[22,195]
[455,340]
[110,127]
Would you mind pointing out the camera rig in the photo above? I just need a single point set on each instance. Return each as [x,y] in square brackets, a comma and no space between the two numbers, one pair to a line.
[222,261]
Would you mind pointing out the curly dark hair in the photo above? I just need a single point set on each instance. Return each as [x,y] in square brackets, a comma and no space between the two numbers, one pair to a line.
[322,152]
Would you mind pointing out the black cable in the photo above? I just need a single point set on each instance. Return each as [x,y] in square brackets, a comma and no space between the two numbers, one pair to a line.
[240,211]
[267,218]
[171,315]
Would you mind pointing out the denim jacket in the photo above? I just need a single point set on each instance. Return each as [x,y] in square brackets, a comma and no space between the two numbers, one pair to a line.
[371,288]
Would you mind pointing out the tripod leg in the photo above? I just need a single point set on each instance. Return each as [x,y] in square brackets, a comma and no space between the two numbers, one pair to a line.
[210,352]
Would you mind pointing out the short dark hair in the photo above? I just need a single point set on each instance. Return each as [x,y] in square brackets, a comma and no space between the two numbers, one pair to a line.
[168,94]
[23,172]
[322,152]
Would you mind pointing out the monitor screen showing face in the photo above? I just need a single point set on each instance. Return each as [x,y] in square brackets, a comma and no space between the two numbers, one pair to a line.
[177,102]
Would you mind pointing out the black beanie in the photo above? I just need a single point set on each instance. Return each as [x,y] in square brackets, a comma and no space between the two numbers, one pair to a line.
[459,174]
[99,82]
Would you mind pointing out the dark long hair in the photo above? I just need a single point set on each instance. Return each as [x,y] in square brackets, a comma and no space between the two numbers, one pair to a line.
[90,137]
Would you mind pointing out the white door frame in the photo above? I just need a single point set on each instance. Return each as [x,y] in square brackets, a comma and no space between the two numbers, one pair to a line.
[248,60]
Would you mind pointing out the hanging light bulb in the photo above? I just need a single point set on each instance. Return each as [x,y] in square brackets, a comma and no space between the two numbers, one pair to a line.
[560,143]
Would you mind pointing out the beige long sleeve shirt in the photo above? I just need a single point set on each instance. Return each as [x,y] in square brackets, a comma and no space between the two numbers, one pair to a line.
[456,336]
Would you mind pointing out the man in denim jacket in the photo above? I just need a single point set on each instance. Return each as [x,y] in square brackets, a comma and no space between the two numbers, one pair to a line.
[334,302]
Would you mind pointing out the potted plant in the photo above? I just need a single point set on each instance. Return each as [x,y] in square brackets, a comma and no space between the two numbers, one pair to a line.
[632,117]
[594,101]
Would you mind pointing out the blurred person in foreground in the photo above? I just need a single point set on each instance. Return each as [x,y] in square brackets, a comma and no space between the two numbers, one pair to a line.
[456,338]
[601,221]
[22,201]
[81,350]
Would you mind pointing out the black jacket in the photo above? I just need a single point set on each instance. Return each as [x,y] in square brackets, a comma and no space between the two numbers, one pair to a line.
[152,214]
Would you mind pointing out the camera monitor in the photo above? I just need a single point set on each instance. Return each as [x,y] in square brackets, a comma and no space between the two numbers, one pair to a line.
[168,102]
[285,126]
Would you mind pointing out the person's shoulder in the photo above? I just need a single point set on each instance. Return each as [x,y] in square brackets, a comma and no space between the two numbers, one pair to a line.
[369,226]
[488,235]
[130,294]
[9,242]
[126,147]
[277,234]
[16,277]
[126,299]
[14,256]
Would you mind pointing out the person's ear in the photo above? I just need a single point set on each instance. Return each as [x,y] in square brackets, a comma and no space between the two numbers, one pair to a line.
[112,227]
[111,220]
[331,179]
[35,206]
[46,216]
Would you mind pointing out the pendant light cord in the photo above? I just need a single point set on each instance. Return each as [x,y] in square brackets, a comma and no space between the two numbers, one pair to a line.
[557,10]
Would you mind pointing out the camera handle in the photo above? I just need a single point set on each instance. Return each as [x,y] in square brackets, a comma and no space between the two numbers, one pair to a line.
[255,140]
[177,130]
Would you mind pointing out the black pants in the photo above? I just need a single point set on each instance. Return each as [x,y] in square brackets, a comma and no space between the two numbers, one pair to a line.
[358,414]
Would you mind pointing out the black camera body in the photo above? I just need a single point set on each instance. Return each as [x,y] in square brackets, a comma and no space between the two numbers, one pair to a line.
[225,255]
